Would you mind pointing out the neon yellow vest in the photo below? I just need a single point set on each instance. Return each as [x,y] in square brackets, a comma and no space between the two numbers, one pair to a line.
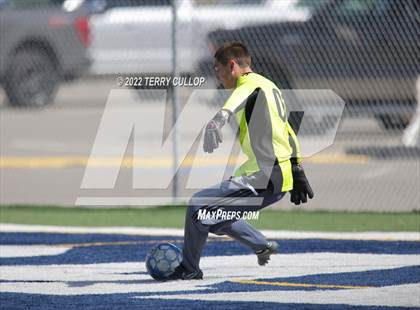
[264,131]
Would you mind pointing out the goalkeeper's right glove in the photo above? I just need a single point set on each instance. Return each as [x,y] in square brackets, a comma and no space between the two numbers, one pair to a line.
[301,188]
[213,131]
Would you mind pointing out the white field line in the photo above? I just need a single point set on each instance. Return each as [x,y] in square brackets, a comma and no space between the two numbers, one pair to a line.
[274,234]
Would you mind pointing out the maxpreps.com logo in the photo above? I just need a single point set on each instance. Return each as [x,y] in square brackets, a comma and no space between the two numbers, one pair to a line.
[223,215]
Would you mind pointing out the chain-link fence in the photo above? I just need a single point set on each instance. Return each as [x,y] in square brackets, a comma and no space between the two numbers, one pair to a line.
[365,51]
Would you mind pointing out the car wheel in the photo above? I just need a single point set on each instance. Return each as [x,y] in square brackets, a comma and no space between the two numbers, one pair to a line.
[32,79]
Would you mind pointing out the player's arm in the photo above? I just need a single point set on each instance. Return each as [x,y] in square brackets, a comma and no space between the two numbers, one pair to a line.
[237,99]
[301,187]
[213,134]
[295,157]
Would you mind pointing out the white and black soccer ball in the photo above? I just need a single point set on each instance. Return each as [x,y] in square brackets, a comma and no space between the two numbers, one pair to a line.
[162,260]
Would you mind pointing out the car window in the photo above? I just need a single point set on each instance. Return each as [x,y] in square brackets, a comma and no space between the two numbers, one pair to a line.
[355,8]
[128,3]
[34,3]
[231,2]
[312,5]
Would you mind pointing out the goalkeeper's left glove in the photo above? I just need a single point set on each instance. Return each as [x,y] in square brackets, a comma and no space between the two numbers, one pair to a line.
[213,134]
[301,188]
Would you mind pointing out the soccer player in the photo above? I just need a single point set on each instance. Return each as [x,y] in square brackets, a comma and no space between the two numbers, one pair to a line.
[273,167]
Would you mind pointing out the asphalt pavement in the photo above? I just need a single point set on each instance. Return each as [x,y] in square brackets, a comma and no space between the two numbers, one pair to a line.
[45,152]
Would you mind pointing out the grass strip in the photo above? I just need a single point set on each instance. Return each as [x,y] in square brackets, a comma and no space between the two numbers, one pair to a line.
[173,217]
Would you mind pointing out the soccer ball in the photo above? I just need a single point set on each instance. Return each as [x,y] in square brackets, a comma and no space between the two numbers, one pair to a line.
[162,260]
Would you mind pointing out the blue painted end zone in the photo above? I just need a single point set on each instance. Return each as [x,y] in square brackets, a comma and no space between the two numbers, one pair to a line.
[127,301]
[138,246]
[374,278]
[99,248]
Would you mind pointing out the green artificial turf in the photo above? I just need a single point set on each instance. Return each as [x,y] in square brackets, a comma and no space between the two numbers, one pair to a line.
[173,216]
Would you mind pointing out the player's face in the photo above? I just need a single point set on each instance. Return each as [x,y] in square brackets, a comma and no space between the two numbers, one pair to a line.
[225,74]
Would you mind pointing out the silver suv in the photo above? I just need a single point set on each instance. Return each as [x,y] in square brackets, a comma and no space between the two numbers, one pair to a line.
[42,42]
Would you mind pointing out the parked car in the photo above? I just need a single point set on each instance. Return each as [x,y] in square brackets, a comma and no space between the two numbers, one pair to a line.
[365,51]
[134,36]
[42,43]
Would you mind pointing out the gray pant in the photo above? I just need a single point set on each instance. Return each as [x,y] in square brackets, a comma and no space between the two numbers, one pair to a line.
[235,194]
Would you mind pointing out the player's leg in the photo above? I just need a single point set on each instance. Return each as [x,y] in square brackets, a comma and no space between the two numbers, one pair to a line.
[246,234]
[240,230]
[195,236]
[196,231]
[243,232]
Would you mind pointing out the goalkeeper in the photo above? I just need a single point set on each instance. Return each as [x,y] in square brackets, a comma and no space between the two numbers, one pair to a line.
[273,167]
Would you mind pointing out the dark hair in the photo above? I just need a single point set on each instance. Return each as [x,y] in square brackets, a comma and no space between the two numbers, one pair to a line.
[233,50]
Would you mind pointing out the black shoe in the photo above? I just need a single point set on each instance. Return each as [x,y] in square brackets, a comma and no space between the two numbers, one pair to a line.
[264,255]
[181,273]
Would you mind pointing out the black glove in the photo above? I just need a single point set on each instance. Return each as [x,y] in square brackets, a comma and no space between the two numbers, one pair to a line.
[213,134]
[301,188]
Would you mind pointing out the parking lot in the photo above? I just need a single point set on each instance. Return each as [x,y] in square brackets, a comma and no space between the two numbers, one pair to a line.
[44,154]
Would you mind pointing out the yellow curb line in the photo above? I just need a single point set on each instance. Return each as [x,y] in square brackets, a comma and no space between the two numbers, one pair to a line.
[116,243]
[154,162]
[289,284]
